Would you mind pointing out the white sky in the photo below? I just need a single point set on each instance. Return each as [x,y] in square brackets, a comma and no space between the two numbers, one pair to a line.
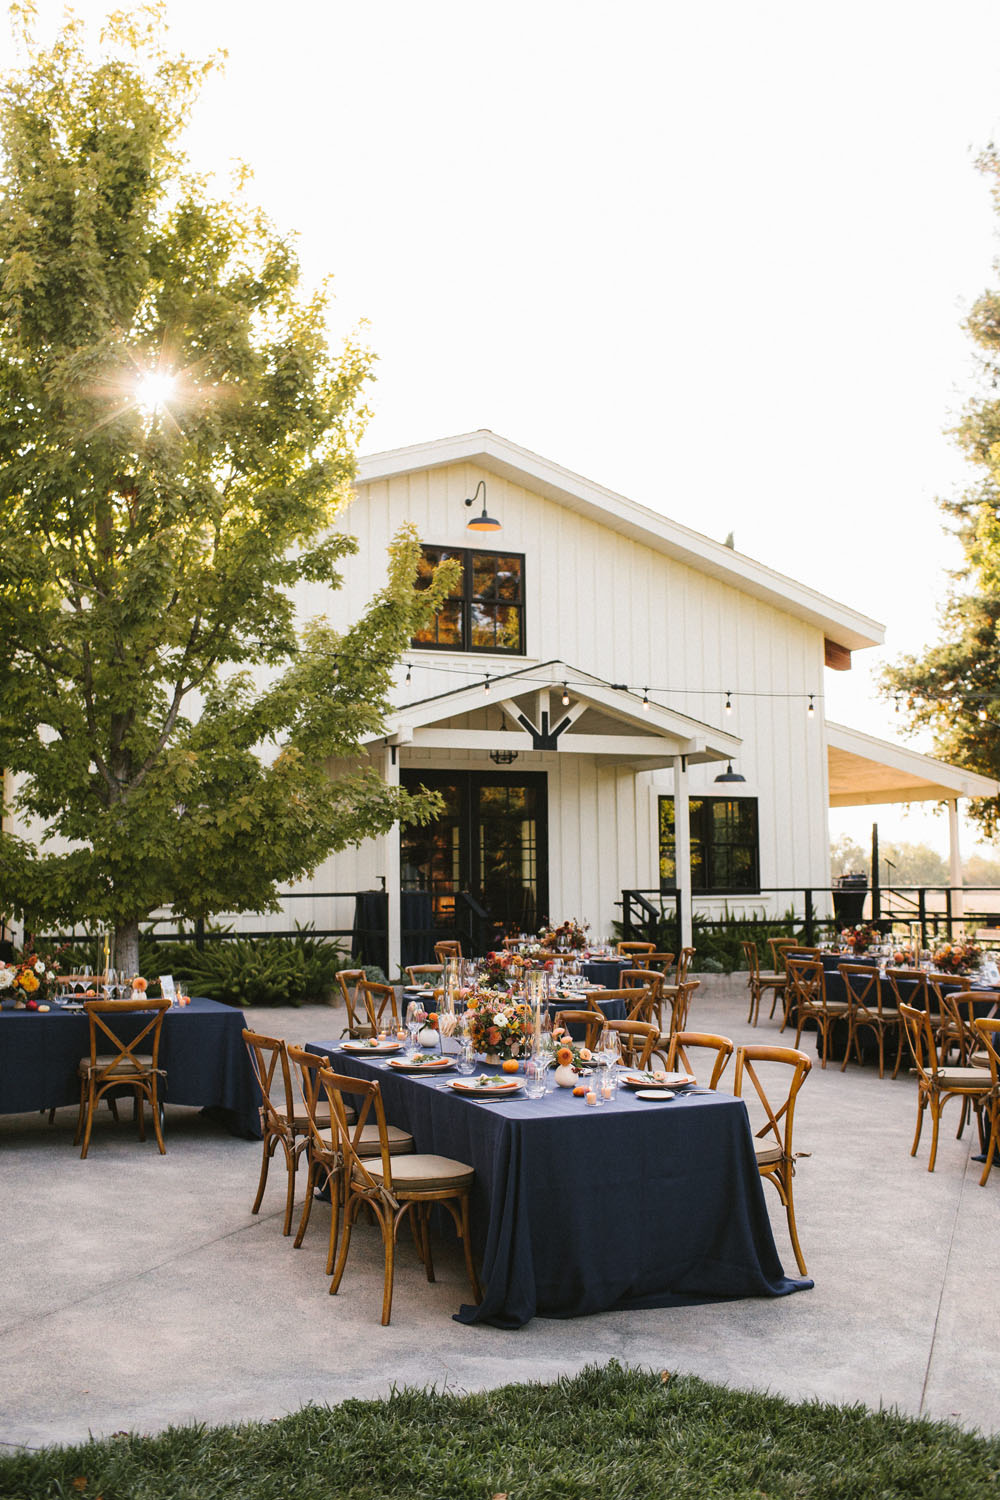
[713,256]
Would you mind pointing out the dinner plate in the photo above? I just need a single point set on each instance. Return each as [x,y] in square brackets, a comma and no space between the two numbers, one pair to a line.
[438,1065]
[364,1050]
[485,1090]
[668,1081]
[655,1094]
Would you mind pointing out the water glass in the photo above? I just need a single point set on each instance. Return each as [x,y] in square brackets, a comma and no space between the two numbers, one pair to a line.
[466,1063]
[535,1070]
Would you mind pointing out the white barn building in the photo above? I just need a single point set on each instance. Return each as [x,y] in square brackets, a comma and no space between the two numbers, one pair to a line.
[578,703]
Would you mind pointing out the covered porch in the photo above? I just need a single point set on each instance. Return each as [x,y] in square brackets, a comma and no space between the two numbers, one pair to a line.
[580,743]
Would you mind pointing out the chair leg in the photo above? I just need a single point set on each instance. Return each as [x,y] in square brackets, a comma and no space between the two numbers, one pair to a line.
[154,1105]
[269,1148]
[91,1106]
[935,1105]
[334,1185]
[307,1206]
[345,1245]
[921,1106]
[852,1036]
[292,1167]
[389,1229]
[994,1141]
[477,1291]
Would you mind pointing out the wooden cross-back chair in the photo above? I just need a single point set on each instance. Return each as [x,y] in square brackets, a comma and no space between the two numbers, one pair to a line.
[868,1012]
[937,1084]
[636,1041]
[323,1153]
[661,962]
[378,998]
[759,981]
[957,1032]
[357,1022]
[393,1186]
[625,950]
[807,980]
[419,974]
[594,1022]
[987,1031]
[125,1066]
[773,1141]
[281,1124]
[447,948]
[674,991]
[649,984]
[682,1043]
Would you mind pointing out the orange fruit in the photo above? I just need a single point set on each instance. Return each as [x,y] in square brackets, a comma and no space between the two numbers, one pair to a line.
[509,1065]
[579,1092]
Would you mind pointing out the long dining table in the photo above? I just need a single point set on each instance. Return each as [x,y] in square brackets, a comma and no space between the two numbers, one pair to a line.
[201,1052]
[578,1209]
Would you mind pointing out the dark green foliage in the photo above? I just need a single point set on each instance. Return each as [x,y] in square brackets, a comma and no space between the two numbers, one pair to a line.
[613,1434]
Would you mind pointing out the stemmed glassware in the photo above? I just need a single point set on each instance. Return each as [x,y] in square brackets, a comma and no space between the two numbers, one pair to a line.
[415,1018]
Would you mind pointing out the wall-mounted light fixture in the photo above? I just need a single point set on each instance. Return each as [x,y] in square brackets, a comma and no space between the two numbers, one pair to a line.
[482,522]
[729,774]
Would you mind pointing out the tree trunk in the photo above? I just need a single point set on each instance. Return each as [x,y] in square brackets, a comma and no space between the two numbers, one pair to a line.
[126,950]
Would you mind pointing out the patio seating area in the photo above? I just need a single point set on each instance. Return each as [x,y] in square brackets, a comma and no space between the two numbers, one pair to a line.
[165,1250]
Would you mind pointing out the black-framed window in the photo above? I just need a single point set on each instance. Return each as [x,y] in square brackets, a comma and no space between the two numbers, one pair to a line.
[485,611]
[725,845]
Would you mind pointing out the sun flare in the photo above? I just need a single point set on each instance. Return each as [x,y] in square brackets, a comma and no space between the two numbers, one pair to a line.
[154,390]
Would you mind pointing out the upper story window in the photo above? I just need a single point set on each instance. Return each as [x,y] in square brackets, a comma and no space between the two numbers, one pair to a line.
[725,848]
[485,612]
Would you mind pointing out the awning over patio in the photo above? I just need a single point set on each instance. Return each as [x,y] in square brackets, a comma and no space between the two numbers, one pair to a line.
[866,771]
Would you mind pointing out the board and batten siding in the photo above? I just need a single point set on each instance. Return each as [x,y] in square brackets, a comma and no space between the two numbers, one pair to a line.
[624,612]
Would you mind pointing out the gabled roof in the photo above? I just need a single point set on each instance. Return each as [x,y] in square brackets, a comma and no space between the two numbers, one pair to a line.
[865,771]
[844,626]
[625,728]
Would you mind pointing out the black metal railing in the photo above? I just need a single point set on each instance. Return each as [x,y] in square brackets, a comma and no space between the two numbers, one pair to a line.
[814,912]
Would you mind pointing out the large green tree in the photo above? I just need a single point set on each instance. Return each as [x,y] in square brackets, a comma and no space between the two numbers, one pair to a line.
[954,687]
[176,440]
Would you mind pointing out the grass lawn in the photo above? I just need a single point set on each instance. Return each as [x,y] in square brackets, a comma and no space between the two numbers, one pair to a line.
[612,1433]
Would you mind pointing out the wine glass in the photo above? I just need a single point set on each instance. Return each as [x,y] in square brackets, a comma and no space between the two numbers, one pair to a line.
[415,1018]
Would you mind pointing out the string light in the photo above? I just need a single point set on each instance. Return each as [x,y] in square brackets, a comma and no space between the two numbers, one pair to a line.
[486,683]
[645,700]
[565,696]
[811,710]
[409,674]
[729,702]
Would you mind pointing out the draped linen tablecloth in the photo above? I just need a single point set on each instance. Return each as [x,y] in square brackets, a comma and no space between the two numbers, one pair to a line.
[579,1210]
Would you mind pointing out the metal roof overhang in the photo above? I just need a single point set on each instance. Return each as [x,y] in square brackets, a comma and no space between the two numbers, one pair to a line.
[647,738]
[864,771]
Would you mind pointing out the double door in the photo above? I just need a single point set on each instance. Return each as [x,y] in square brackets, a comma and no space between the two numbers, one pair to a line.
[484,861]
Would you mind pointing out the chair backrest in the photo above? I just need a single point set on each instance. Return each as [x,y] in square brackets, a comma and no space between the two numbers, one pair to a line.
[624,949]
[644,987]
[958,1017]
[683,964]
[102,1014]
[366,1097]
[637,1040]
[447,948]
[987,1030]
[594,1021]
[777,1127]
[779,947]
[661,962]
[349,979]
[423,973]
[808,981]
[636,979]
[909,987]
[682,1042]
[269,1057]
[309,1065]
[861,983]
[920,1036]
[377,997]
[752,959]
[682,1003]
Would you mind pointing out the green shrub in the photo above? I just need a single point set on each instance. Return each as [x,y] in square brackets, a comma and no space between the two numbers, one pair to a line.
[717,942]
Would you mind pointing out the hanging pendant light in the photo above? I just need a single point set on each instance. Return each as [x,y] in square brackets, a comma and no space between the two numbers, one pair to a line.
[482,522]
[730,775]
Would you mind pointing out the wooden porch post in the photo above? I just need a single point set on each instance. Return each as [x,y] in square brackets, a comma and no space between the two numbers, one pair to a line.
[682,845]
[955,861]
[390,865]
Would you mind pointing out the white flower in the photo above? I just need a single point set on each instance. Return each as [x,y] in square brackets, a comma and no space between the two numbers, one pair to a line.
[500,1019]
[50,973]
[39,966]
[6,977]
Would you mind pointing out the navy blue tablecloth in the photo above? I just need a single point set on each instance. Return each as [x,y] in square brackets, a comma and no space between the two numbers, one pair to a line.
[606,971]
[201,1050]
[614,1010]
[578,1210]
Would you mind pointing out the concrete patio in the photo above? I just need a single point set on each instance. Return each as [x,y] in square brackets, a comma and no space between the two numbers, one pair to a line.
[139,1291]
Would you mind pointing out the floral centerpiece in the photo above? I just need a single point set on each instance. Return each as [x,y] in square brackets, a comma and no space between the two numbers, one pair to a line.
[957,958]
[29,980]
[860,937]
[497,1025]
[569,936]
[504,968]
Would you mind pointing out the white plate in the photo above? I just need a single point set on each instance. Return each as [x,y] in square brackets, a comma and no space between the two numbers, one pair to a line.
[654,1094]
[362,1049]
[486,1090]
[400,1065]
[668,1081]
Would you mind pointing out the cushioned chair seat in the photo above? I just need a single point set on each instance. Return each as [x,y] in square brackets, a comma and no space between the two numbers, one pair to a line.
[957,1078]
[425,1174]
[125,1066]
[368,1142]
[980,1060]
[766,1154]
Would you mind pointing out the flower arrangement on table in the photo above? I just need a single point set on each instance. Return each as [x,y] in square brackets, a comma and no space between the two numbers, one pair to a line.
[503,968]
[957,958]
[860,937]
[30,979]
[498,1026]
[569,936]
[904,956]
[568,1053]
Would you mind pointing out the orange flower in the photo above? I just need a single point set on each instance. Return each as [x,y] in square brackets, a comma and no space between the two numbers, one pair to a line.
[564,1056]
[138,983]
[493,1036]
